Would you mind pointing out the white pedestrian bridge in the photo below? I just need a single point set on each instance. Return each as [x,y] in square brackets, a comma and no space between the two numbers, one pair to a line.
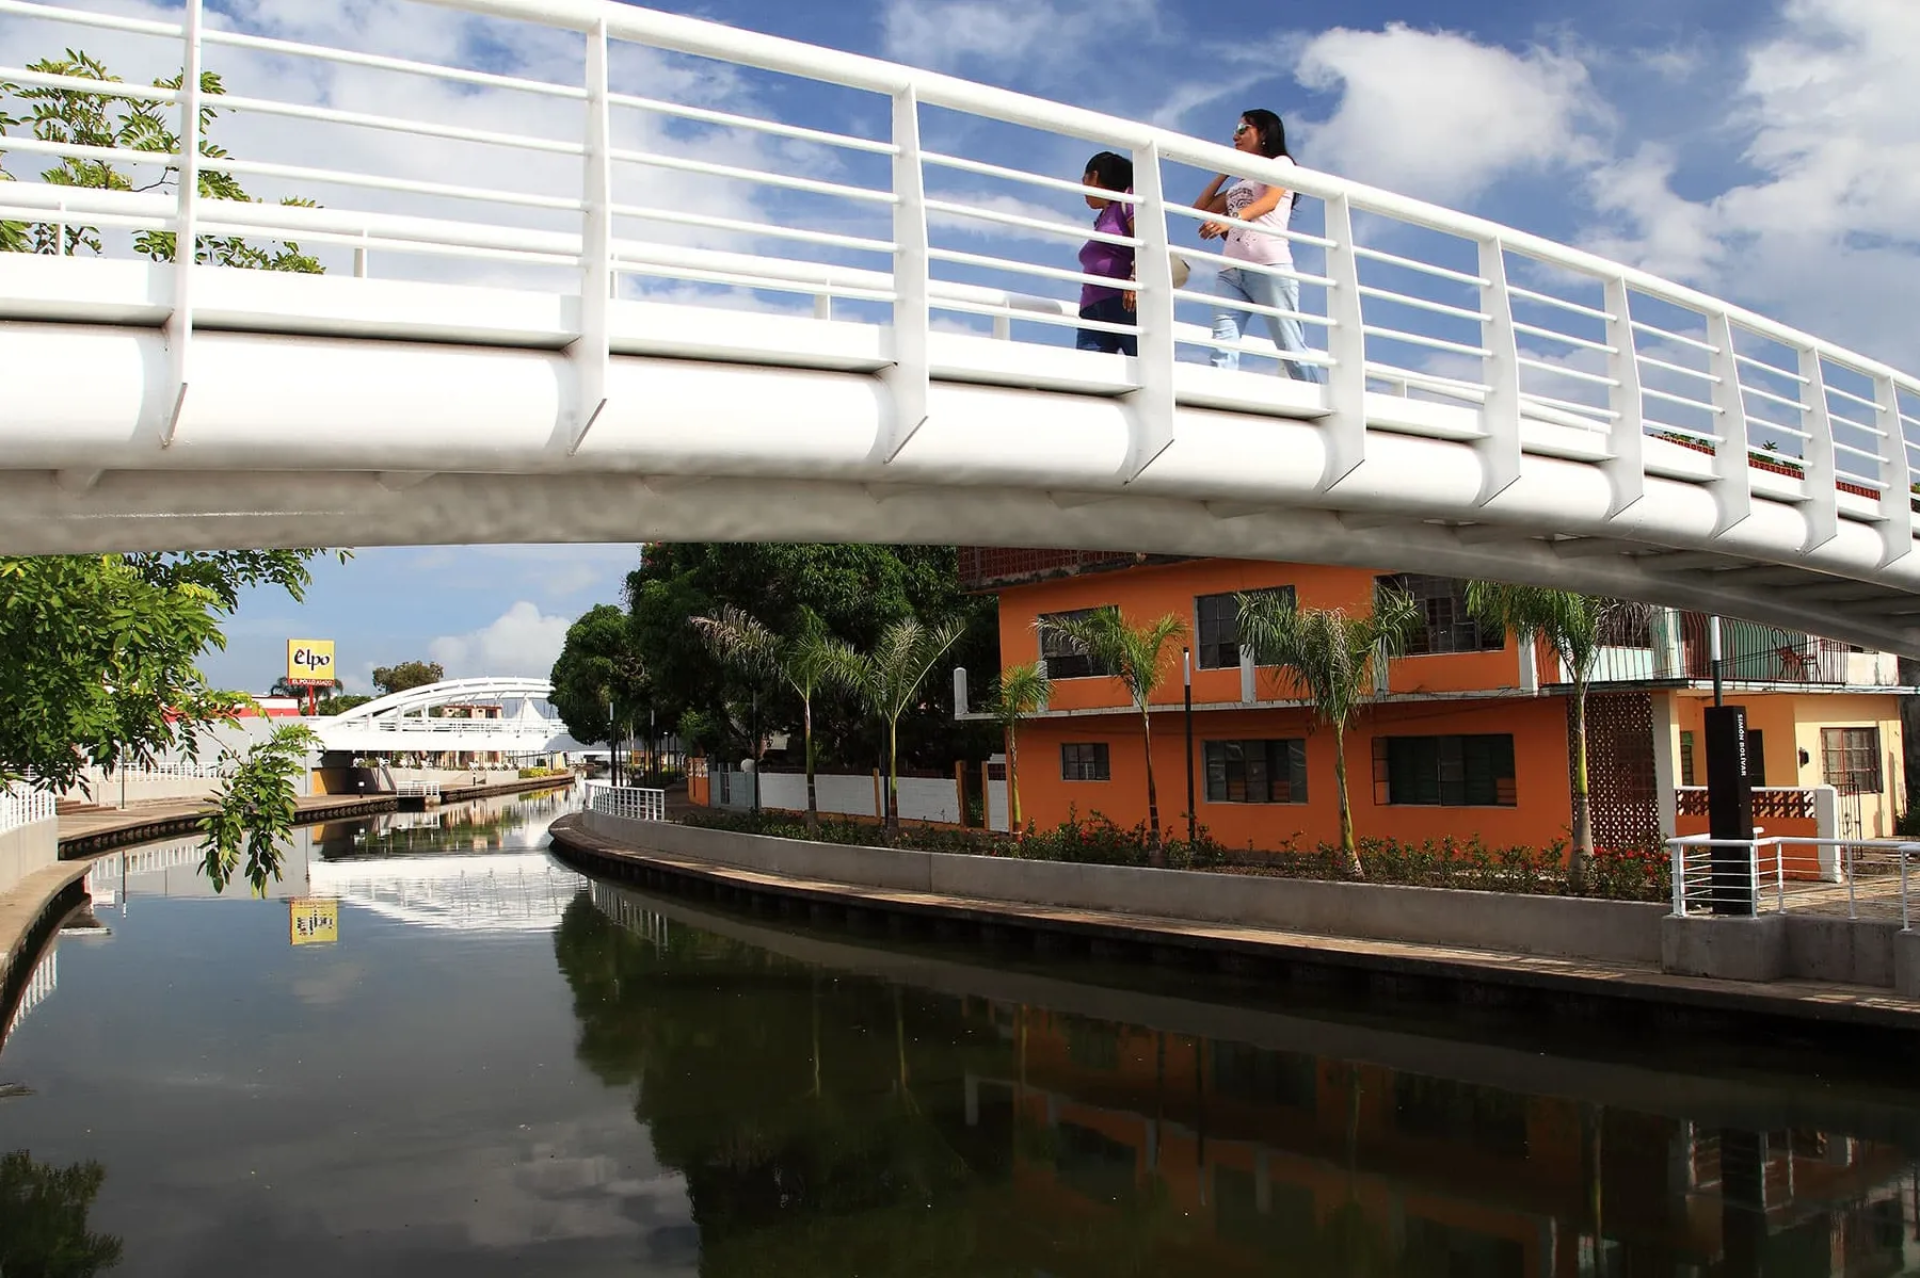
[508,715]
[624,275]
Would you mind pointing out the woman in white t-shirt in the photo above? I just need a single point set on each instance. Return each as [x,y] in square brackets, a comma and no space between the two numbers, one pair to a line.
[1260,133]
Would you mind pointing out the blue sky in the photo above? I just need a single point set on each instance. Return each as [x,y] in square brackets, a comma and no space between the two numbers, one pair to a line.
[1765,150]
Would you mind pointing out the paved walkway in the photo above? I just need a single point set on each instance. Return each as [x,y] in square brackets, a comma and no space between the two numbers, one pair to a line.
[94,829]
[1807,1000]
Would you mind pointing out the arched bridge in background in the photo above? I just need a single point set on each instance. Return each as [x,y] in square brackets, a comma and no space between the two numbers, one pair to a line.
[512,716]
[592,286]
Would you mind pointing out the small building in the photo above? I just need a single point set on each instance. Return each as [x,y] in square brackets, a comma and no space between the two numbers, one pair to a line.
[1469,735]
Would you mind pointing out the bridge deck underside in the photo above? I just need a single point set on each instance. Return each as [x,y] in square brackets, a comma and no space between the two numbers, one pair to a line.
[361,412]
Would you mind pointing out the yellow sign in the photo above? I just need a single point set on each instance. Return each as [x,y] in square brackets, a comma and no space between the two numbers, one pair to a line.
[313,922]
[310,661]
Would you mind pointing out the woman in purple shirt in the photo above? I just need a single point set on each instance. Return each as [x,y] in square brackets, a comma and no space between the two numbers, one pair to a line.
[1109,172]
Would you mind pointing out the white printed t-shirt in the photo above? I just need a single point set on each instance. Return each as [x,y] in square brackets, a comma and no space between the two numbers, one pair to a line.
[1252,246]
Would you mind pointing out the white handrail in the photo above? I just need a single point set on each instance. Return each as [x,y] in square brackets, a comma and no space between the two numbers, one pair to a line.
[21,804]
[634,803]
[1483,329]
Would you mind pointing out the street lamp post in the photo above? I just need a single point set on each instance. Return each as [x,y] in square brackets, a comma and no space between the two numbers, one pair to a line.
[1186,678]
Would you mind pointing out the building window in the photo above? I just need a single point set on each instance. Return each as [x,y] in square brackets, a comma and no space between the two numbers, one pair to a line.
[1850,759]
[1257,771]
[1686,758]
[1452,772]
[1446,625]
[1217,626]
[1084,761]
[1064,661]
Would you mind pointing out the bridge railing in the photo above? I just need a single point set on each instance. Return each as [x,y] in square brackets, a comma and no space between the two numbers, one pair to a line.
[935,208]
[635,803]
[21,804]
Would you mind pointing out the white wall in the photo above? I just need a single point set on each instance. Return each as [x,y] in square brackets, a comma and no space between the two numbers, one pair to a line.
[845,794]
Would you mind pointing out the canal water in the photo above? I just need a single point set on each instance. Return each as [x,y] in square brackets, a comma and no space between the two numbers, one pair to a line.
[434,1050]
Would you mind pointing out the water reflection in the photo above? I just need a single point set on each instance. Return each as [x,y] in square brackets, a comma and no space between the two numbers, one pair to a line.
[834,1122]
[43,1219]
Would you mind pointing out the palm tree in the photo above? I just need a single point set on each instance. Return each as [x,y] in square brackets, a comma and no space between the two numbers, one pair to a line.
[1332,656]
[1136,655]
[1020,691]
[1572,625]
[888,680]
[804,663]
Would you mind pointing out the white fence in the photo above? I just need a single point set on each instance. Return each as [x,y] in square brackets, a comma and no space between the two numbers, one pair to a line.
[22,805]
[632,802]
[1783,873]
[839,794]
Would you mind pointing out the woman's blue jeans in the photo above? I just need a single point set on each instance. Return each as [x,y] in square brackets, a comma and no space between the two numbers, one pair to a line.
[1260,289]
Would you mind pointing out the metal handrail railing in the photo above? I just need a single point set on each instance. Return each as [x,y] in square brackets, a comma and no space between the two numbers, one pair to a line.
[1872,877]
[634,803]
[1468,306]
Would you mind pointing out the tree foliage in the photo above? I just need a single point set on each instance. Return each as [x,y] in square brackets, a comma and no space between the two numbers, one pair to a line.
[1572,625]
[255,807]
[98,654]
[1331,656]
[806,663]
[1017,693]
[43,1219]
[599,667]
[1138,655]
[888,677]
[77,117]
[388,680]
[853,592]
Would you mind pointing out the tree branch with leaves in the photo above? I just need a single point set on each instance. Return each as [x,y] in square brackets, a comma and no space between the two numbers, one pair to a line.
[887,680]
[1333,657]
[1137,655]
[805,662]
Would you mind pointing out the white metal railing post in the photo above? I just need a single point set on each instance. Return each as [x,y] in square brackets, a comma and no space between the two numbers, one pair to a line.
[1151,404]
[1896,499]
[908,378]
[1625,467]
[1821,509]
[591,354]
[1780,877]
[1853,902]
[1345,430]
[1733,476]
[1906,910]
[1677,854]
[1499,446]
[178,330]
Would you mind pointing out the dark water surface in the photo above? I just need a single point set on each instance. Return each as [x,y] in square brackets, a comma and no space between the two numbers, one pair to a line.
[499,1066]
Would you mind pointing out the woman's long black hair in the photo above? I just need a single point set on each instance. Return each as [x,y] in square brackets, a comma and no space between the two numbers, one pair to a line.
[1111,172]
[1272,131]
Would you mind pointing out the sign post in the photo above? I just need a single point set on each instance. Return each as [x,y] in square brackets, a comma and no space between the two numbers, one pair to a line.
[1729,810]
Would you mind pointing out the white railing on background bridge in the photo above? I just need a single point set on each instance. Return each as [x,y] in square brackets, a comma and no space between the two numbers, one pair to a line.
[1526,328]
[1851,878]
[419,790]
[20,804]
[635,803]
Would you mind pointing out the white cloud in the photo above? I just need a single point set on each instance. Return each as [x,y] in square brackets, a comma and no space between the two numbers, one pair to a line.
[997,36]
[1828,235]
[521,641]
[1437,115]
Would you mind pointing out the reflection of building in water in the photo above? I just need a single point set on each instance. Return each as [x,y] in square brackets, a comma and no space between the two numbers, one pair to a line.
[499,823]
[173,867]
[40,984]
[500,892]
[1271,1149]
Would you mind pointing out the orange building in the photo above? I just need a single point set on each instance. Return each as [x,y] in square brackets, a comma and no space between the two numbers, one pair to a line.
[1468,737]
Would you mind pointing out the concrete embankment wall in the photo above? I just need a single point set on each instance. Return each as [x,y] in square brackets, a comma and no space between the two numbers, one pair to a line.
[27,848]
[1612,931]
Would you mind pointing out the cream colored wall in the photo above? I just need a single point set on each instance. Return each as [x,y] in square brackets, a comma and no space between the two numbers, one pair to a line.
[1813,712]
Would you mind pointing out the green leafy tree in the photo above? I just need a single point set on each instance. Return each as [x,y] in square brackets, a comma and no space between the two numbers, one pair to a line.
[1331,656]
[341,704]
[1018,692]
[599,667]
[99,653]
[43,1219]
[1572,625]
[1140,657]
[285,687]
[854,592]
[78,117]
[388,680]
[887,680]
[255,807]
[805,663]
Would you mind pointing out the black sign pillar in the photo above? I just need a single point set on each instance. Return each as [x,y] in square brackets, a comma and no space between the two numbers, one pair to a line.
[1729,810]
